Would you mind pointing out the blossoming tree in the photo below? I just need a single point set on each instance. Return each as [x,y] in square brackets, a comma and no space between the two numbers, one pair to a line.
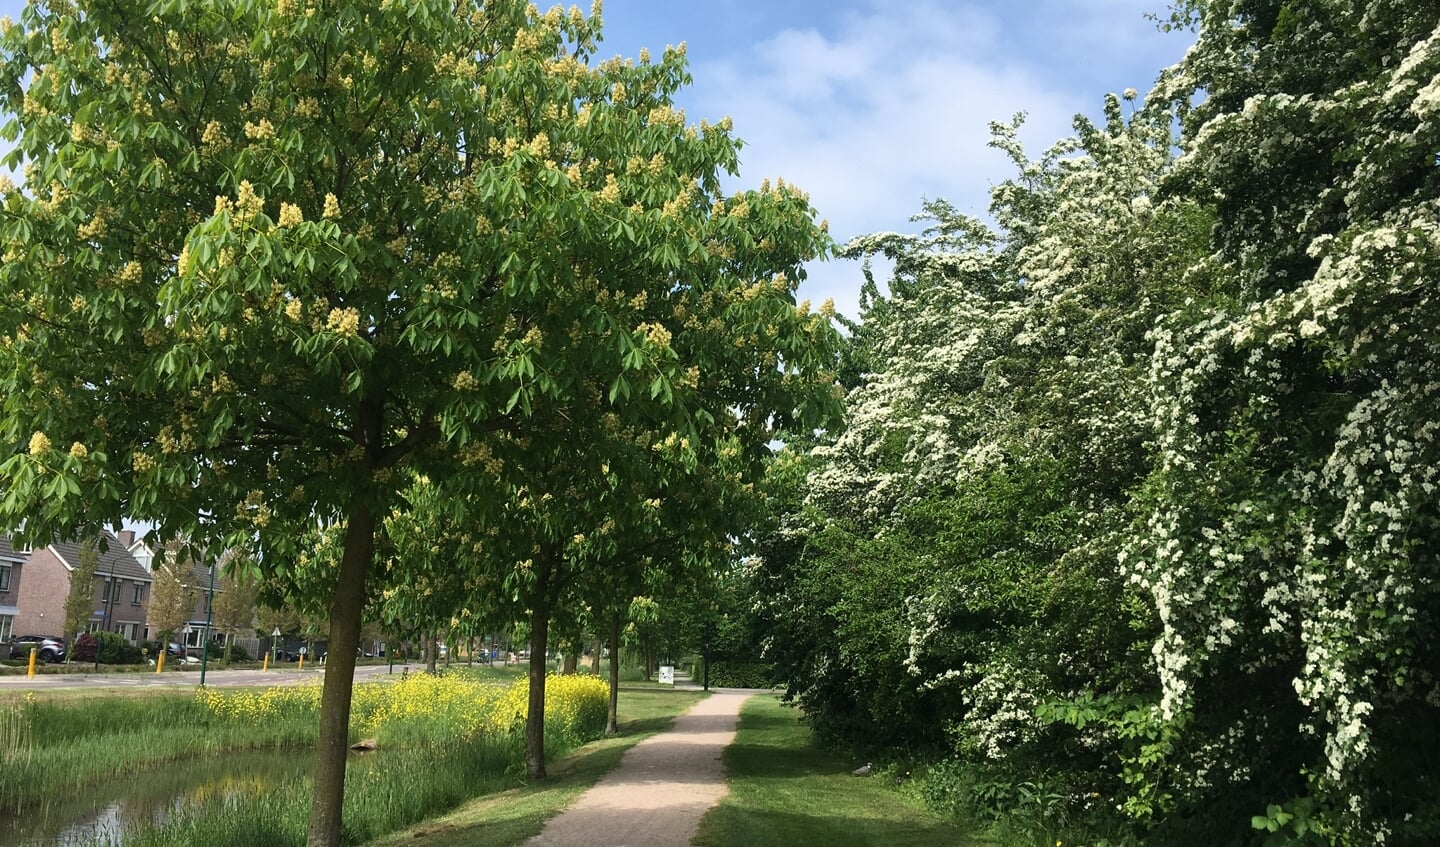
[271,257]
[1292,522]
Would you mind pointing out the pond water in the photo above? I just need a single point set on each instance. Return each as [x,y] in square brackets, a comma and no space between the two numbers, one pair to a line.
[107,811]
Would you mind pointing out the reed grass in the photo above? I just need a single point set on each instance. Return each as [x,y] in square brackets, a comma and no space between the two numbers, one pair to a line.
[49,747]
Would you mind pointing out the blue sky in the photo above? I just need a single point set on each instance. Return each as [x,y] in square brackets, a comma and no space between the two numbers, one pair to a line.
[873,105]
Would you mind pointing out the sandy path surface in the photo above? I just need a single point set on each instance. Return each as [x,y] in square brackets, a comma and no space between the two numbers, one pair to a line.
[661,788]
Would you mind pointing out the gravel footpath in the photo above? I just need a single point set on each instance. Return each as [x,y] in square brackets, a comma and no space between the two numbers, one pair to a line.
[661,788]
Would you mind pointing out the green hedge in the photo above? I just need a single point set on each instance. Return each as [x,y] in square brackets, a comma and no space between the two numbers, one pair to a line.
[732,673]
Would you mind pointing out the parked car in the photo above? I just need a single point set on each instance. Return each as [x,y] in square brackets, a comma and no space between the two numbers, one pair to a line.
[51,649]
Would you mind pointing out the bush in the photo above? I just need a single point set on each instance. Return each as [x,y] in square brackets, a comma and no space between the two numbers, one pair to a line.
[238,653]
[112,647]
[733,673]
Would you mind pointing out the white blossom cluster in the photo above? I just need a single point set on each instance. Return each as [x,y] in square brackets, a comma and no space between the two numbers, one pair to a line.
[1002,702]
[995,347]
[1294,511]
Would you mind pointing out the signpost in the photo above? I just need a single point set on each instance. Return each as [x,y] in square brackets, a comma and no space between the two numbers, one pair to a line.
[205,642]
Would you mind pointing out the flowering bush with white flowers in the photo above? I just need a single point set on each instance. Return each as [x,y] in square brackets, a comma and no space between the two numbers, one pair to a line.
[1153,460]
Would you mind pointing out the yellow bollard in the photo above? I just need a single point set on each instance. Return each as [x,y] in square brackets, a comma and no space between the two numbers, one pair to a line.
[34,651]
[265,665]
[160,663]
[302,661]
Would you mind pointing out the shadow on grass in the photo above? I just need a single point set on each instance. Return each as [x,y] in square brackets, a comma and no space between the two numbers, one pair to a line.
[850,827]
[759,761]
[784,791]
[645,726]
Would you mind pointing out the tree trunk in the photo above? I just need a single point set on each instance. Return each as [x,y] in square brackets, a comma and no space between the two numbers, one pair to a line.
[612,723]
[430,651]
[535,721]
[345,607]
[572,658]
[595,658]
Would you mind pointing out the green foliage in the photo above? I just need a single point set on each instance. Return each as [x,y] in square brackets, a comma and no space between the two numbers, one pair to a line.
[269,268]
[80,598]
[112,648]
[730,673]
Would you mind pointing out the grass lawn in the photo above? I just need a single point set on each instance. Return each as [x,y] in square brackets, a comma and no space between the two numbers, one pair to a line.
[785,792]
[511,817]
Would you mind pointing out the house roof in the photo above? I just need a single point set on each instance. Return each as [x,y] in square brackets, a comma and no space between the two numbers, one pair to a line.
[115,559]
[7,551]
[199,574]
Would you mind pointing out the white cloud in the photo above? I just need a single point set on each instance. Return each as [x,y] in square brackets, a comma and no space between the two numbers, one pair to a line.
[891,104]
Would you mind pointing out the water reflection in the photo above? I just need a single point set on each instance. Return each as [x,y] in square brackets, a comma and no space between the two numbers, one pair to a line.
[105,812]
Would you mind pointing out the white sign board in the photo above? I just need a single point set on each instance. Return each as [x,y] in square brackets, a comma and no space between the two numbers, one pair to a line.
[667,675]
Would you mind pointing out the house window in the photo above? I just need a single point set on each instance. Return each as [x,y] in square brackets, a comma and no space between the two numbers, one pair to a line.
[4,583]
[105,591]
[7,624]
[129,630]
[95,626]
[139,594]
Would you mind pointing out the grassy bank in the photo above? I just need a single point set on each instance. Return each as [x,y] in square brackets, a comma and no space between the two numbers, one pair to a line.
[784,791]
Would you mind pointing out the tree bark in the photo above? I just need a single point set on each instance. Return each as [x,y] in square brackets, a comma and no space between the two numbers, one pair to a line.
[430,651]
[595,658]
[572,658]
[327,807]
[612,723]
[535,720]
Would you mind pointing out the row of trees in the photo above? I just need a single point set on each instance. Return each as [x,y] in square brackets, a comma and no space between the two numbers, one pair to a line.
[411,300]
[1133,530]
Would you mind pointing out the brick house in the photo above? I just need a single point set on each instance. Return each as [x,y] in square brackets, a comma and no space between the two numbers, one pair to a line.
[12,565]
[199,576]
[34,585]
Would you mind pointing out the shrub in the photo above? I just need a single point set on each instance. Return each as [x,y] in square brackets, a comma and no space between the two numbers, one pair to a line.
[733,673]
[238,653]
[112,647]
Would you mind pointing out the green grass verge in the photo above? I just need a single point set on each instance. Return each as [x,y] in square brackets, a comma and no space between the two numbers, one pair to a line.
[784,791]
[511,817]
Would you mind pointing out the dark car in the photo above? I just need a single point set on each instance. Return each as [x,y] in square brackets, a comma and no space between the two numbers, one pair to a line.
[51,649]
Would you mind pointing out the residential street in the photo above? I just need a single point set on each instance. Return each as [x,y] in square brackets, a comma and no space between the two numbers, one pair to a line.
[286,675]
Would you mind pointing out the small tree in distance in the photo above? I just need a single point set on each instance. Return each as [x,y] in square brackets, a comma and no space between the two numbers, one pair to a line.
[80,599]
[173,597]
[234,608]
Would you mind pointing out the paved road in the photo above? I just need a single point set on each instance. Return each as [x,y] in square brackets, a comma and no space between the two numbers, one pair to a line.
[287,675]
[661,788]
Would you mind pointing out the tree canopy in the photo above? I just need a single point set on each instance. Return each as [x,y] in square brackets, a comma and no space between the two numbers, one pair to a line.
[270,259]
